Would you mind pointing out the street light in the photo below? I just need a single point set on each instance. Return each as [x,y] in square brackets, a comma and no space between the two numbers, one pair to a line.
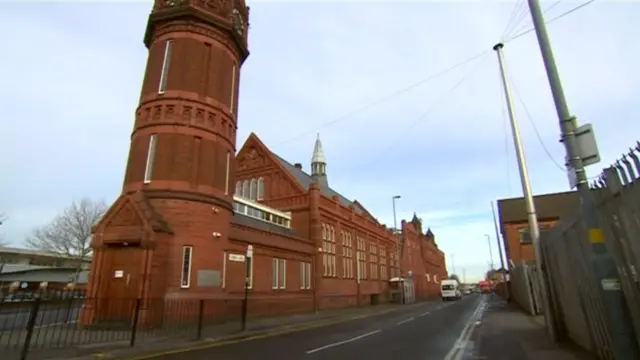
[490,251]
[247,283]
[395,228]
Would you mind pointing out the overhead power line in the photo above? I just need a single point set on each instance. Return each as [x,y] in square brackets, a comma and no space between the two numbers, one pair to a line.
[552,19]
[533,125]
[386,98]
[439,101]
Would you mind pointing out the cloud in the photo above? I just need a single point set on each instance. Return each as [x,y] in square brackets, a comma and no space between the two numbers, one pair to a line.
[74,80]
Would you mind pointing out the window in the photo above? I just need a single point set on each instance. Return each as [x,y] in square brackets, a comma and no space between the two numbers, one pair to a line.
[253,190]
[329,250]
[165,67]
[185,278]
[525,235]
[233,89]
[151,154]
[245,189]
[278,273]
[373,258]
[239,188]
[362,258]
[227,173]
[347,255]
[260,189]
[305,275]
[384,275]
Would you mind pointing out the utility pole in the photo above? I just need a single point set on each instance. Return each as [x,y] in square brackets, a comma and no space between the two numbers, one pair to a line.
[490,251]
[532,218]
[617,315]
[453,264]
[495,224]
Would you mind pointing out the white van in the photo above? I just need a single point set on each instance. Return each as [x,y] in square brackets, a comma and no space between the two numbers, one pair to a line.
[450,290]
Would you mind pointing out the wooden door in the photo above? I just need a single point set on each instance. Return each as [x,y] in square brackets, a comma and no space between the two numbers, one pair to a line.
[122,285]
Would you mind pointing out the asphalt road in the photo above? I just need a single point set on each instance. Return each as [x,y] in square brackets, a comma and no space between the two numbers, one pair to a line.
[424,332]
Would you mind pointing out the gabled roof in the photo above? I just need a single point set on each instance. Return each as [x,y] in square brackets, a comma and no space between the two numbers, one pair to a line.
[305,180]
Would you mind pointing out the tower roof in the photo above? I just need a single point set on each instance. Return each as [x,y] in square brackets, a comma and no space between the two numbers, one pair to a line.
[318,153]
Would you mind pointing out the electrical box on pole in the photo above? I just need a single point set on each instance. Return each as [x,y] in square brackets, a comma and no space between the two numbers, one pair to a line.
[587,148]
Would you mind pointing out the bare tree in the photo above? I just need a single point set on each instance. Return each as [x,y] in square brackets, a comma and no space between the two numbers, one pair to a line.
[70,232]
[3,219]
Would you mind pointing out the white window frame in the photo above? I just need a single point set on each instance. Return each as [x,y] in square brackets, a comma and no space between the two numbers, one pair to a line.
[282,275]
[185,278]
[233,90]
[278,280]
[274,273]
[245,189]
[166,62]
[260,190]
[305,275]
[151,154]
[227,174]
[239,188]
[253,189]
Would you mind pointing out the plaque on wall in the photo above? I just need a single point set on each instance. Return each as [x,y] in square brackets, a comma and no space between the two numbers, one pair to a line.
[209,278]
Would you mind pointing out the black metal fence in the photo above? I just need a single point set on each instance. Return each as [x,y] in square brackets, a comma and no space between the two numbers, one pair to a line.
[62,324]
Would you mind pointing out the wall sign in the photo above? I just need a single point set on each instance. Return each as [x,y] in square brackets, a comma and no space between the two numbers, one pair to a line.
[118,274]
[236,257]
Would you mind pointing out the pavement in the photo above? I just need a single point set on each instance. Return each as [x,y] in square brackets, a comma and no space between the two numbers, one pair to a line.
[419,331]
[504,332]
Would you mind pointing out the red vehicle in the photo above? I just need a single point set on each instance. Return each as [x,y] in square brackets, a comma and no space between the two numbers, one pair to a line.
[485,287]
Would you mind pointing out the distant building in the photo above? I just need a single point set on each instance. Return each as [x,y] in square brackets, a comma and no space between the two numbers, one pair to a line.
[514,224]
[27,270]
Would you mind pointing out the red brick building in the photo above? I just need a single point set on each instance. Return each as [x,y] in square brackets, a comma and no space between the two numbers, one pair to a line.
[421,259]
[514,224]
[189,209]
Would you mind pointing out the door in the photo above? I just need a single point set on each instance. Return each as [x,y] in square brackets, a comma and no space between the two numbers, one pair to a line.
[122,285]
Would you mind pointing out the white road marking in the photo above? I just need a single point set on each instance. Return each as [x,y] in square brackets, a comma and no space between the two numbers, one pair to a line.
[343,342]
[425,313]
[455,353]
[405,321]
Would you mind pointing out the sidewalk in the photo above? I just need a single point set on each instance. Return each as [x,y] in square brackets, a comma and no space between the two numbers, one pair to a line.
[86,344]
[507,333]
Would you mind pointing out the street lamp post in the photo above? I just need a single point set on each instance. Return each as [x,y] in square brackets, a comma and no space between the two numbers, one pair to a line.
[395,228]
[247,284]
[490,251]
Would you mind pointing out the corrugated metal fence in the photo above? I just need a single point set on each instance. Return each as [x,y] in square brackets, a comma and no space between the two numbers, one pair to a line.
[574,291]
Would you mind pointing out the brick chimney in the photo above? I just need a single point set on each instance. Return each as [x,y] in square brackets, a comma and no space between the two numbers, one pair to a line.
[298,166]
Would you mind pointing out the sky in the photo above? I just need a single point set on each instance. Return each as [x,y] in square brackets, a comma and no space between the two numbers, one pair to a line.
[361,74]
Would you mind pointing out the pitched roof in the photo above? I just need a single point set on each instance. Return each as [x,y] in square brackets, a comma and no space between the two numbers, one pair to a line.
[305,180]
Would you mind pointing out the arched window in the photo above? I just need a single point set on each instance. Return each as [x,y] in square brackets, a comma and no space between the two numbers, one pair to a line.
[253,190]
[260,189]
[239,188]
[245,189]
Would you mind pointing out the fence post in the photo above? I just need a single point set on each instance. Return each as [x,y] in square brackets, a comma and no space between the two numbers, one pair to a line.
[31,324]
[134,326]
[200,320]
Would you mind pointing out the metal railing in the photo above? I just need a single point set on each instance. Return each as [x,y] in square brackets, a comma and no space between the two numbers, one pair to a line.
[575,293]
[67,326]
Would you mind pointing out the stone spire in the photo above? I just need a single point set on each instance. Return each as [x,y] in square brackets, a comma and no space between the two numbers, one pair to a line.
[319,164]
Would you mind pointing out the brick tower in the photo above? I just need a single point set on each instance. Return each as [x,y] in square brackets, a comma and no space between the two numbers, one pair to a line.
[173,216]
